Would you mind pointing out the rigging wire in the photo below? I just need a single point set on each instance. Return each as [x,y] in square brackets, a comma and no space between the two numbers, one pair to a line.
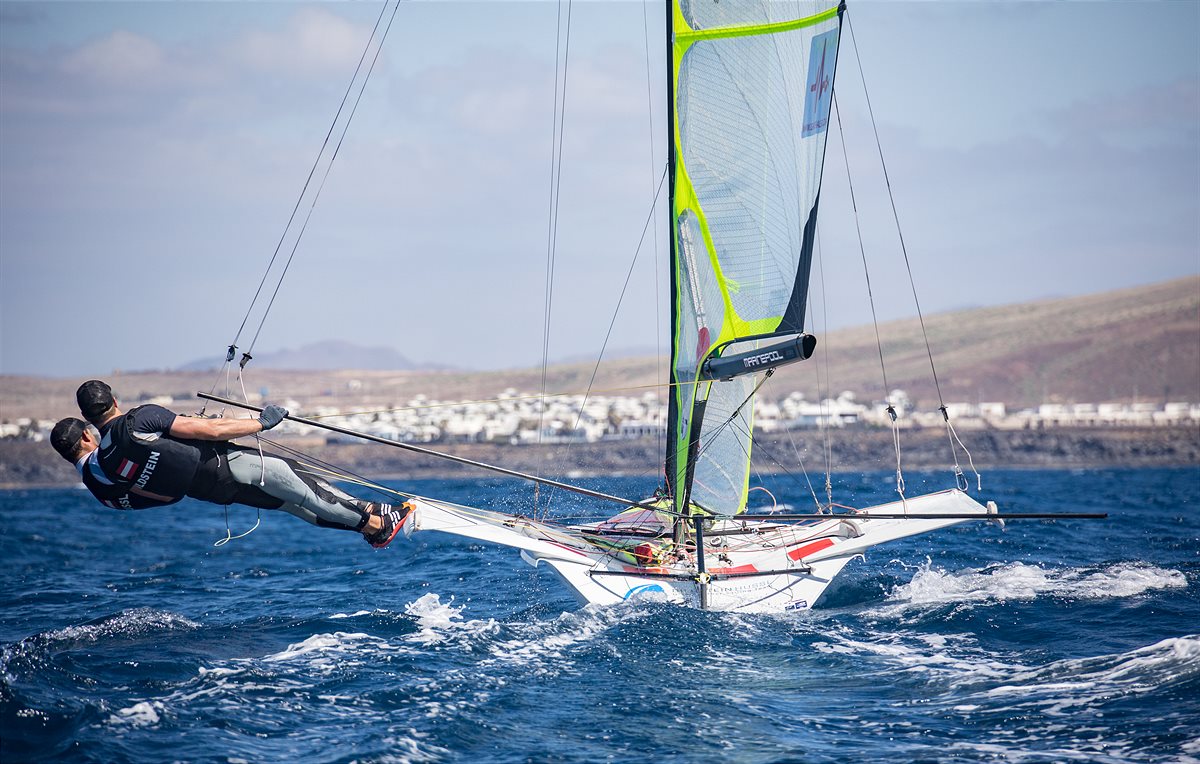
[556,135]
[824,366]
[891,409]
[328,469]
[959,478]
[324,178]
[617,310]
[712,436]
[758,444]
[300,198]
[661,434]
[621,298]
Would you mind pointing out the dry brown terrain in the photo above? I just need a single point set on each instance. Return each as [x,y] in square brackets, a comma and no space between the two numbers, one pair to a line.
[1134,344]
[1141,343]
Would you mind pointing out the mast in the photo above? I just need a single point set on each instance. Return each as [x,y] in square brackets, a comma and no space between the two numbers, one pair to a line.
[671,464]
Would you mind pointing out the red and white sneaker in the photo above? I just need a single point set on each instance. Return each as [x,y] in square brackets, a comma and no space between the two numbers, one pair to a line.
[393,520]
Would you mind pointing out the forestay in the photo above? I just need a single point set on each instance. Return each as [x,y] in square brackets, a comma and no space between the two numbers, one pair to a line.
[752,85]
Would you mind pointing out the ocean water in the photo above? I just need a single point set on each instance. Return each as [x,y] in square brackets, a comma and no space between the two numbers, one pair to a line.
[126,636]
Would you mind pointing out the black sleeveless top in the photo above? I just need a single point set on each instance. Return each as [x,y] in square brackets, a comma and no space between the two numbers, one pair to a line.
[136,451]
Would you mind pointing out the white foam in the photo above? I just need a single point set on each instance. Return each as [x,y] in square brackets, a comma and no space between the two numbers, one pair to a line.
[351,615]
[410,749]
[1020,581]
[317,644]
[1061,685]
[546,647]
[923,654]
[442,622]
[141,714]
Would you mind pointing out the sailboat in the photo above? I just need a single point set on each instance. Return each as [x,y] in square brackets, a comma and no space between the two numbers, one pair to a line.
[750,90]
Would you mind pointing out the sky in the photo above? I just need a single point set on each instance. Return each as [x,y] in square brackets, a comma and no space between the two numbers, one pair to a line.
[151,153]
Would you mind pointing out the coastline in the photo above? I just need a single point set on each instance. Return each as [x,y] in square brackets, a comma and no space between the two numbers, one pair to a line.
[29,464]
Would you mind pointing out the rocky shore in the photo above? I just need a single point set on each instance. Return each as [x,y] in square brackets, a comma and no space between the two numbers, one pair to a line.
[25,464]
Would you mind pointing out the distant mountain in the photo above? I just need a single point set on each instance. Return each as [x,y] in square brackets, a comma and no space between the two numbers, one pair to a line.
[611,354]
[324,356]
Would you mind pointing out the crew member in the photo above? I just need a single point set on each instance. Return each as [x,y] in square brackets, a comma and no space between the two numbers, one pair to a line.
[157,456]
[76,441]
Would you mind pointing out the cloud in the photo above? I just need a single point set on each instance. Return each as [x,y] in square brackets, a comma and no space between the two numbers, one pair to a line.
[1096,203]
[175,161]
[313,42]
[121,60]
[1167,110]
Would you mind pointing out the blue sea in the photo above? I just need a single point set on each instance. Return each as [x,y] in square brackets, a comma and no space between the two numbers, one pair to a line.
[129,637]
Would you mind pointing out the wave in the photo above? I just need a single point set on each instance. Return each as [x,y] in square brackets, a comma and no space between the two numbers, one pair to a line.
[144,714]
[1022,581]
[136,622]
[545,647]
[1062,685]
[539,646]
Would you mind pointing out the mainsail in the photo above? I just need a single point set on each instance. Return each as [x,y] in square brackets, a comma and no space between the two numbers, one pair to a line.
[751,87]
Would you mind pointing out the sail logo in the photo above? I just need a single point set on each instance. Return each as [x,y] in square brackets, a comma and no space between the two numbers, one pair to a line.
[638,591]
[818,97]
[762,359]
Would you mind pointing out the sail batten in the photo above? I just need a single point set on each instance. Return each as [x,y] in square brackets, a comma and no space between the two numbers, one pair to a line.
[751,86]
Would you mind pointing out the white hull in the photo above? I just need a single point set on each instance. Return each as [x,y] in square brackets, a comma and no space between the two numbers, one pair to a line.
[779,567]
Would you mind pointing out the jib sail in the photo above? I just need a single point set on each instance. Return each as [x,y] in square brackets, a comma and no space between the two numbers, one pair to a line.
[751,87]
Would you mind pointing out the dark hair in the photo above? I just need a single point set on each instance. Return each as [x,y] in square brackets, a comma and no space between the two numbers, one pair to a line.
[66,435]
[94,398]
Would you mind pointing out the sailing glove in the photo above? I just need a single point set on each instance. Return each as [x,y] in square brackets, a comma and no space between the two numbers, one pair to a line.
[271,416]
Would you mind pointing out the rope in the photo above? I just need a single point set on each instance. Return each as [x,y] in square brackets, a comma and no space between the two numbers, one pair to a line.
[617,310]
[891,410]
[303,191]
[556,133]
[345,128]
[824,366]
[650,118]
[799,460]
[228,534]
[712,436]
[959,478]
[330,470]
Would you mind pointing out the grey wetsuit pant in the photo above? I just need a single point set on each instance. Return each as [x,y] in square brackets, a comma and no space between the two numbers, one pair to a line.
[268,481]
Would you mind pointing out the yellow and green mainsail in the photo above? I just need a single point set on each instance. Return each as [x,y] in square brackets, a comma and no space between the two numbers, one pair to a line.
[751,89]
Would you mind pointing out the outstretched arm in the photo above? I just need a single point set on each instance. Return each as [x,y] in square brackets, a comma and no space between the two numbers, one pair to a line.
[195,428]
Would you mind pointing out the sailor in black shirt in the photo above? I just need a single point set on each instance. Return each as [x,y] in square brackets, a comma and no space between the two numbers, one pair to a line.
[77,442]
[151,456]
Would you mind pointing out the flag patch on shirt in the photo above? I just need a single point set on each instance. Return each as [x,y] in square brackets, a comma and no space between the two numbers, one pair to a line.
[127,469]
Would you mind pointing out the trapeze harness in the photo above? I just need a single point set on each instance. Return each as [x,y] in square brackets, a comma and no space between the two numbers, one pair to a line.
[109,493]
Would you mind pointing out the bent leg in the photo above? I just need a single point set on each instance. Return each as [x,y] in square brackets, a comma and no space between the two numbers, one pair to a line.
[303,494]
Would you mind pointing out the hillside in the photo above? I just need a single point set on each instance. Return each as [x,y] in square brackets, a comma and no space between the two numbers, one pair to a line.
[1115,346]
[1137,343]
